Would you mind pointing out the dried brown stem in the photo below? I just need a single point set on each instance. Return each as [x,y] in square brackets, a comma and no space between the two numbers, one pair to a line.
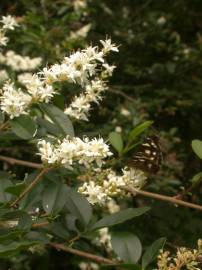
[83,254]
[39,225]
[21,162]
[163,198]
[30,187]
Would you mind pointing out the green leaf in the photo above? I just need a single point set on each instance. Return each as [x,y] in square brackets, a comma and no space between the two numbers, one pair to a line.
[59,229]
[48,126]
[54,197]
[25,222]
[24,127]
[60,119]
[138,130]
[127,246]
[79,206]
[15,189]
[119,217]
[116,141]
[8,234]
[5,182]
[152,252]
[14,247]
[127,266]
[197,147]
[197,178]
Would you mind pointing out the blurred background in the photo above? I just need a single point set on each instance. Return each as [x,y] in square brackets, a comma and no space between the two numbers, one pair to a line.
[158,77]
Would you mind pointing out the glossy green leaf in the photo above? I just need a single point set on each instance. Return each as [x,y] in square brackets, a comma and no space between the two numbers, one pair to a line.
[59,229]
[15,189]
[5,182]
[152,252]
[14,247]
[197,178]
[119,217]
[197,147]
[25,222]
[138,130]
[127,246]
[60,119]
[24,127]
[79,207]
[116,141]
[54,197]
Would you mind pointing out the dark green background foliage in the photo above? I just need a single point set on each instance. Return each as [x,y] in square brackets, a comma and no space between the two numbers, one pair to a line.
[158,77]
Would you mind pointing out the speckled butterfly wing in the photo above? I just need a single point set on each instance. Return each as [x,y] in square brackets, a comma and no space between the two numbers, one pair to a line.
[149,157]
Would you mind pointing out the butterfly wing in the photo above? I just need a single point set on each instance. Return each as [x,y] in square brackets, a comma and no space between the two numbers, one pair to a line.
[148,158]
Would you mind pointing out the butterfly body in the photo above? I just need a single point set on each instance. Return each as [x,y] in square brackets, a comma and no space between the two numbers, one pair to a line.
[148,158]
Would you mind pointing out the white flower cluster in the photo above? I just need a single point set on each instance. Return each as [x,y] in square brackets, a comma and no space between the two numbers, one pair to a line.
[18,62]
[82,32]
[109,184]
[70,150]
[3,75]
[104,239]
[112,206]
[80,106]
[89,266]
[88,61]
[14,101]
[9,23]
[82,67]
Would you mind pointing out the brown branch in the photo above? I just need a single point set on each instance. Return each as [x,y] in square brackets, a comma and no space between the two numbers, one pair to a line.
[121,93]
[163,198]
[4,126]
[21,162]
[30,187]
[39,225]
[83,254]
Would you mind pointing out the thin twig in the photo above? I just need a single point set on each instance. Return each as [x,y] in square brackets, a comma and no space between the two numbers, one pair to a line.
[30,187]
[39,225]
[4,126]
[21,162]
[121,93]
[83,254]
[163,198]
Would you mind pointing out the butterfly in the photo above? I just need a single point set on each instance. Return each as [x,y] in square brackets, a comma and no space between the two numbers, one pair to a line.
[149,156]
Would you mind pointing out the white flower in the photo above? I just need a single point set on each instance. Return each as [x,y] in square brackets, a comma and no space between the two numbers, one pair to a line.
[36,87]
[108,46]
[118,129]
[94,193]
[9,22]
[3,38]
[104,239]
[79,4]
[48,152]
[125,112]
[89,266]
[110,184]
[3,75]
[23,77]
[80,106]
[81,33]
[68,151]
[13,101]
[112,206]
[161,20]
[109,69]
[20,63]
